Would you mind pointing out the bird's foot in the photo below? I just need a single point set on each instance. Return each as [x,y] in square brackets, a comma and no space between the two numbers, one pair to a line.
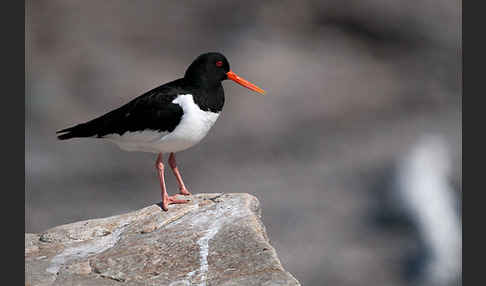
[171,200]
[184,192]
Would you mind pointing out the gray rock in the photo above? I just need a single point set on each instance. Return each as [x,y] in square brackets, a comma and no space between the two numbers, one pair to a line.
[216,239]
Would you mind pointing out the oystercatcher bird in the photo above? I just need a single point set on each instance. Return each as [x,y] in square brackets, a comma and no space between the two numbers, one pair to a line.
[169,118]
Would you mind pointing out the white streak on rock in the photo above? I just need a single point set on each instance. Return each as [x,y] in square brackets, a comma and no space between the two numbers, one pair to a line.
[212,221]
[88,248]
[204,248]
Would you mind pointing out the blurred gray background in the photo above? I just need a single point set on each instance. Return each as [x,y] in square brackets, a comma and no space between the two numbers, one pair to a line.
[354,153]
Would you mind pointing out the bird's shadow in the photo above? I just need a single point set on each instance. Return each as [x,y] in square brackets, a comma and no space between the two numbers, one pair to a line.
[159,204]
[190,199]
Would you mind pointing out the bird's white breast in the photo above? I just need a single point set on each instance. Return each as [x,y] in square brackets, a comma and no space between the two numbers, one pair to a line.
[193,127]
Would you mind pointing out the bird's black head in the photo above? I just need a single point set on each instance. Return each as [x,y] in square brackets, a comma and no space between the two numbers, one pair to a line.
[210,69]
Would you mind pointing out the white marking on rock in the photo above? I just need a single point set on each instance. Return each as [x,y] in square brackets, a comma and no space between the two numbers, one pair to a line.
[212,221]
[87,248]
[203,243]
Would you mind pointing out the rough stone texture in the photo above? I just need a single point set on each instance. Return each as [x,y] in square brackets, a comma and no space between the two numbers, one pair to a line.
[216,239]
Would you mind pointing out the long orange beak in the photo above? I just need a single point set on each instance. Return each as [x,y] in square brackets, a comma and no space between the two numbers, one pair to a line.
[239,80]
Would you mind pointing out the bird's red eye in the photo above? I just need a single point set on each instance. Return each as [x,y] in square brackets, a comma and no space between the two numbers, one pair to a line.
[219,64]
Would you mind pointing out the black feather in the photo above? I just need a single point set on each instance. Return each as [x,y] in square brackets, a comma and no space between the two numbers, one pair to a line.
[76,131]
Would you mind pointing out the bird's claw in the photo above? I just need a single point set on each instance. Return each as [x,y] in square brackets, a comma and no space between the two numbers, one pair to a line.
[171,200]
[184,192]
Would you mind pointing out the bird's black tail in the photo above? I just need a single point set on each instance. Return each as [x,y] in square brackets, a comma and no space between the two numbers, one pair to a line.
[80,130]
[97,127]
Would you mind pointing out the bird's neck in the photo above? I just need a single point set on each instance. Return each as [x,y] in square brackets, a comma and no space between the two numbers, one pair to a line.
[209,98]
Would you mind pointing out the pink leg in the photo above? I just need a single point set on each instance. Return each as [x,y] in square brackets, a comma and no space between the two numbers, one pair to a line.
[166,200]
[182,188]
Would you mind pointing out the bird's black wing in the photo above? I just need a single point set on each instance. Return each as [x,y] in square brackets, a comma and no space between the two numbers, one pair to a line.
[153,110]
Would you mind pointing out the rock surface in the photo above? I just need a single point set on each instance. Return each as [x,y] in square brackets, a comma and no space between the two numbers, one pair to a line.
[216,239]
